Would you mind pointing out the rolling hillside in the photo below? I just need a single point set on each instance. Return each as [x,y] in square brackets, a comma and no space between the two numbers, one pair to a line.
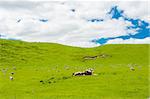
[44,71]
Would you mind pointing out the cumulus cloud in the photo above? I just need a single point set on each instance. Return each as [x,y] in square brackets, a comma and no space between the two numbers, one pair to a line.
[136,9]
[129,41]
[64,25]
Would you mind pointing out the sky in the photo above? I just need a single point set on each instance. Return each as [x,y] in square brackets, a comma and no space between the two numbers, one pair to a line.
[76,23]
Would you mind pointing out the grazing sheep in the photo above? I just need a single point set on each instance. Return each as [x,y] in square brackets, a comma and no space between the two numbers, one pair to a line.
[87,72]
[78,74]
[11,78]
[12,73]
[132,68]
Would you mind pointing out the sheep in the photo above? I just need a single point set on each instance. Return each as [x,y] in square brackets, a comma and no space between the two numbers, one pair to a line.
[132,68]
[78,74]
[87,72]
[12,73]
[11,78]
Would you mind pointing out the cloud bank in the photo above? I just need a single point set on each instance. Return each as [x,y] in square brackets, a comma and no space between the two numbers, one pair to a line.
[75,23]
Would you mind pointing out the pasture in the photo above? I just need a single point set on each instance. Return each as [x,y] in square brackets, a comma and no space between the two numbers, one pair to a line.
[44,71]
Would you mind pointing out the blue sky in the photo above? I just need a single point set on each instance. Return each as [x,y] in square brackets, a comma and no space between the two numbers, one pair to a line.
[142,32]
[76,23]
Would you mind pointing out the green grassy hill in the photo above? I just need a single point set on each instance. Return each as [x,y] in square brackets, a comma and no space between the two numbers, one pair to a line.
[44,71]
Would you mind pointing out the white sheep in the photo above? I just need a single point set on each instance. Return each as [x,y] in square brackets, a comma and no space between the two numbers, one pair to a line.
[11,78]
[132,68]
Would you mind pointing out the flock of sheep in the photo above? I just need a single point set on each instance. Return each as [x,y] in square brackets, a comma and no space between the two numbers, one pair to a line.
[84,73]
[11,74]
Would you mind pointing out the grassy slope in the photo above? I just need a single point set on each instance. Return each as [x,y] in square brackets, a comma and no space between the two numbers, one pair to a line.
[48,62]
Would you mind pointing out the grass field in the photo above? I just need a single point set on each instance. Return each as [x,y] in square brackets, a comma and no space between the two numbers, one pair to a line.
[44,71]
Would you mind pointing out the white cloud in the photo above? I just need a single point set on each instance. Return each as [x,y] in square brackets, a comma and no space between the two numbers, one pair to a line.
[135,9]
[65,26]
[130,41]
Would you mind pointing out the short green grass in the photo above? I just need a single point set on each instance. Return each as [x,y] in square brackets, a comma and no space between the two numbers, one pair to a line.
[53,65]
